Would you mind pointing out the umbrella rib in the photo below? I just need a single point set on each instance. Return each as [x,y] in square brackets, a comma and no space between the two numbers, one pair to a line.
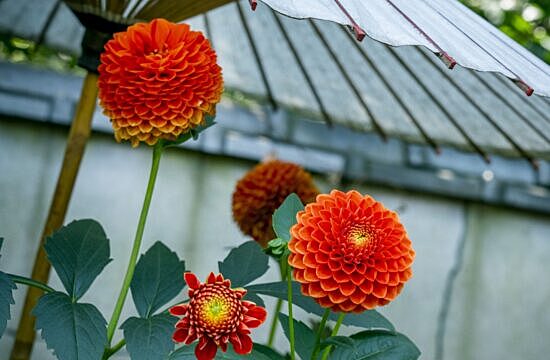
[512,107]
[259,63]
[531,105]
[479,21]
[447,59]
[404,106]
[309,82]
[522,84]
[359,32]
[356,91]
[486,115]
[436,101]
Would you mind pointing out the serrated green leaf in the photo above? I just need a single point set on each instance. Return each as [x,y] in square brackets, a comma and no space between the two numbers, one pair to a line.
[377,345]
[370,319]
[285,216]
[73,331]
[304,337]
[187,352]
[149,339]
[244,264]
[6,297]
[158,278]
[78,252]
[255,299]
[6,300]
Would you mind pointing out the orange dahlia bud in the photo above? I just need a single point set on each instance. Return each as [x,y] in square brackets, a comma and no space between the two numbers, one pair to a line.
[262,190]
[216,315]
[349,252]
[157,80]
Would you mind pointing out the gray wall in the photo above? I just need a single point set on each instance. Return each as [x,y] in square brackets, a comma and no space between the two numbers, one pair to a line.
[497,309]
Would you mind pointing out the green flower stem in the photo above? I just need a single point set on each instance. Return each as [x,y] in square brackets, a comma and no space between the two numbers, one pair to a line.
[320,332]
[290,317]
[278,307]
[113,350]
[30,282]
[157,152]
[334,333]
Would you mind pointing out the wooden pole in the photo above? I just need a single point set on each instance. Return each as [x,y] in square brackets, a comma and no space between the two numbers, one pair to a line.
[76,143]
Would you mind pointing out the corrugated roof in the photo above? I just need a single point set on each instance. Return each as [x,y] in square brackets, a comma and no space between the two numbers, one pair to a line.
[317,68]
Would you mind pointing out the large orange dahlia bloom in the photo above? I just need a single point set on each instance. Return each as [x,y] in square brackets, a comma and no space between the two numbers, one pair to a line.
[158,80]
[262,190]
[216,315]
[349,252]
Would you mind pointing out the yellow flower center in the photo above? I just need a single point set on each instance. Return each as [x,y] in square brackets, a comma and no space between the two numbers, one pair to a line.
[360,236]
[215,311]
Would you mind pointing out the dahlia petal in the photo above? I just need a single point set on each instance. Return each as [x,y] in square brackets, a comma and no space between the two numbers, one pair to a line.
[371,274]
[380,290]
[257,312]
[328,284]
[336,297]
[367,287]
[358,296]
[323,272]
[206,349]
[180,335]
[191,280]
[383,277]
[310,274]
[242,344]
[347,288]
[211,278]
[180,309]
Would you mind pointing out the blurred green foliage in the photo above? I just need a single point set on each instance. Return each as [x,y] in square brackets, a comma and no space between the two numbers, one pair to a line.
[525,21]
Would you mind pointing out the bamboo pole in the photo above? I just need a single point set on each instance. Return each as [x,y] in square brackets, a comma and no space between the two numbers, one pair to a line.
[74,150]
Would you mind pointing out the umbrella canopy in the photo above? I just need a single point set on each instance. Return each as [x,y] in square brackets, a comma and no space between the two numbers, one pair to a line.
[316,69]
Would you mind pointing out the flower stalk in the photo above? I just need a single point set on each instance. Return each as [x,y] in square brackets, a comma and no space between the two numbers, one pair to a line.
[320,331]
[334,333]
[157,152]
[290,316]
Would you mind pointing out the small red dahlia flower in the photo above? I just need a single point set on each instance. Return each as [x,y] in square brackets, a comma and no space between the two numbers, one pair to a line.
[215,315]
[349,252]
[262,190]
[158,80]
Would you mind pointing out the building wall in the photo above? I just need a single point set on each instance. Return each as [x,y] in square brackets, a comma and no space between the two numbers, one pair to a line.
[496,311]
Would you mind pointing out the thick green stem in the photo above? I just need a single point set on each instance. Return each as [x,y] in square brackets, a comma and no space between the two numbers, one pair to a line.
[334,333]
[30,282]
[290,317]
[278,307]
[157,152]
[320,332]
[111,351]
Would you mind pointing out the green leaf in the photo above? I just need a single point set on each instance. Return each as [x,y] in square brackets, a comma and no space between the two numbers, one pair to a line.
[285,216]
[187,352]
[254,298]
[73,331]
[6,300]
[269,352]
[370,319]
[375,345]
[149,339]
[158,278]
[304,337]
[244,264]
[194,133]
[78,252]
[6,297]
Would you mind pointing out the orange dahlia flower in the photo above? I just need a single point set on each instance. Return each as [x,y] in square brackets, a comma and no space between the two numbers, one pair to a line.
[262,190]
[158,80]
[216,315]
[349,252]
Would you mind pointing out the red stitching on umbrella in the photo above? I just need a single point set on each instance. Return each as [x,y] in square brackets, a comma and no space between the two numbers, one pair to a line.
[359,32]
[447,59]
